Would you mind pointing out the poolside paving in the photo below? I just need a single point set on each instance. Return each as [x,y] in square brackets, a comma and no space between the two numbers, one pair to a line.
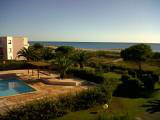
[42,89]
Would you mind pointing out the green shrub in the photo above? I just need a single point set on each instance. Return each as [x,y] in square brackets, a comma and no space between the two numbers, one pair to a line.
[43,109]
[65,50]
[121,71]
[88,74]
[85,99]
[108,87]
[130,87]
[149,81]
[11,64]
[156,55]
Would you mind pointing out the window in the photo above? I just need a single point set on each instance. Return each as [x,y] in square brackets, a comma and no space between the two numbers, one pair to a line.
[1,51]
[9,42]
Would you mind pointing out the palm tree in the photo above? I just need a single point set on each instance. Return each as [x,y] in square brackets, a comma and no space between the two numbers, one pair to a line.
[81,58]
[38,51]
[37,46]
[27,53]
[63,63]
[47,53]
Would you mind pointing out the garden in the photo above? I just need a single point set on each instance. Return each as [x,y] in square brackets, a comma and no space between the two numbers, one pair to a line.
[129,87]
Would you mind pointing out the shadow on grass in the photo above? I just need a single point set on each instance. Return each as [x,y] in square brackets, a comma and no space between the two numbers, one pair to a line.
[129,94]
[152,106]
[135,94]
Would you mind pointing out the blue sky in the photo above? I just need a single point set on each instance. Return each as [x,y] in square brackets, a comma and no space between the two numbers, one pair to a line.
[82,20]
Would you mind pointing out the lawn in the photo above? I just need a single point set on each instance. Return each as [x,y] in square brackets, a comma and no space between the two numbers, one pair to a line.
[102,60]
[114,75]
[118,106]
[133,65]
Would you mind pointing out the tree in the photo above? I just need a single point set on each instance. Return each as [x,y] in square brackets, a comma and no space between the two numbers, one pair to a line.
[63,63]
[80,58]
[63,55]
[38,51]
[42,52]
[156,55]
[137,53]
[153,106]
[65,50]
[47,53]
[27,53]
[37,46]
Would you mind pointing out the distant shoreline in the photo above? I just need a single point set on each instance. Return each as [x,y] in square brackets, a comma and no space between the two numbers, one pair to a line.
[94,46]
[92,49]
[103,49]
[92,42]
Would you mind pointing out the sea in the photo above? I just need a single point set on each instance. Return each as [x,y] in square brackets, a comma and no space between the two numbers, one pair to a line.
[96,45]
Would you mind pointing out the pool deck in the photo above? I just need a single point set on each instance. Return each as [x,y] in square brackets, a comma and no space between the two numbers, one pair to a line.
[42,89]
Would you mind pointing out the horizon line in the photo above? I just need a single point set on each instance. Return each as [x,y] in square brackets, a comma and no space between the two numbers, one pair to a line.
[94,42]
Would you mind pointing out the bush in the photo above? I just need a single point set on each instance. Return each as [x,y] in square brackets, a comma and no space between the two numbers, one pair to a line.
[65,50]
[12,64]
[149,81]
[43,109]
[121,71]
[83,100]
[130,87]
[156,55]
[88,74]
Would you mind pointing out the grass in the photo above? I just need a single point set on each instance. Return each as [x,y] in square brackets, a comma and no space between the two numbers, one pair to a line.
[80,115]
[118,106]
[112,75]
[102,60]
[133,65]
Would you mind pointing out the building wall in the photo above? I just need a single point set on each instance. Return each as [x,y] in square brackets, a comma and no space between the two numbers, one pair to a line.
[11,45]
[19,43]
[10,48]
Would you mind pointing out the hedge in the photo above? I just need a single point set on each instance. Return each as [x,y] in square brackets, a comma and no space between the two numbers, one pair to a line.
[88,74]
[12,64]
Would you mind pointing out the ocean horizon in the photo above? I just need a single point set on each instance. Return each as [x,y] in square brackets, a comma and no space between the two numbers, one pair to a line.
[96,45]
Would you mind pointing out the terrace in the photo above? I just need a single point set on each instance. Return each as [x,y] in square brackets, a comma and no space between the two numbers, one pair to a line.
[44,86]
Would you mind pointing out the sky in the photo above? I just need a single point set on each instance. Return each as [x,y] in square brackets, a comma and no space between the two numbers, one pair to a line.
[82,20]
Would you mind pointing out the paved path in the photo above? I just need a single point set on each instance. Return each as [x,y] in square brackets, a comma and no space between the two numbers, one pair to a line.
[117,60]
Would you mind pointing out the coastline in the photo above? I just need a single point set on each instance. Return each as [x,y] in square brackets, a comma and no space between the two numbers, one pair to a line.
[92,49]
[95,46]
[102,49]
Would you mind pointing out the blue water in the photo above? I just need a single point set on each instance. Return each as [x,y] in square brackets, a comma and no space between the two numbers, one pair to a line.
[96,45]
[13,86]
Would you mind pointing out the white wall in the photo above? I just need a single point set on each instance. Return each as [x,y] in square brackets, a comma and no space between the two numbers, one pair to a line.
[9,48]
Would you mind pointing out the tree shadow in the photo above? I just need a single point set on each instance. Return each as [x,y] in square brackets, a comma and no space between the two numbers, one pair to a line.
[152,106]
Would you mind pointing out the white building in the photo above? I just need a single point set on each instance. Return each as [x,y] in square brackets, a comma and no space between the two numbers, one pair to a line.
[9,46]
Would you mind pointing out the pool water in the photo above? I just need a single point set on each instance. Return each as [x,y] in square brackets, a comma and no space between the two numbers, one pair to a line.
[13,86]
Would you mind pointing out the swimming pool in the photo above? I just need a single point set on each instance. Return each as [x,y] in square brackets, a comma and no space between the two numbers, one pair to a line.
[13,86]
